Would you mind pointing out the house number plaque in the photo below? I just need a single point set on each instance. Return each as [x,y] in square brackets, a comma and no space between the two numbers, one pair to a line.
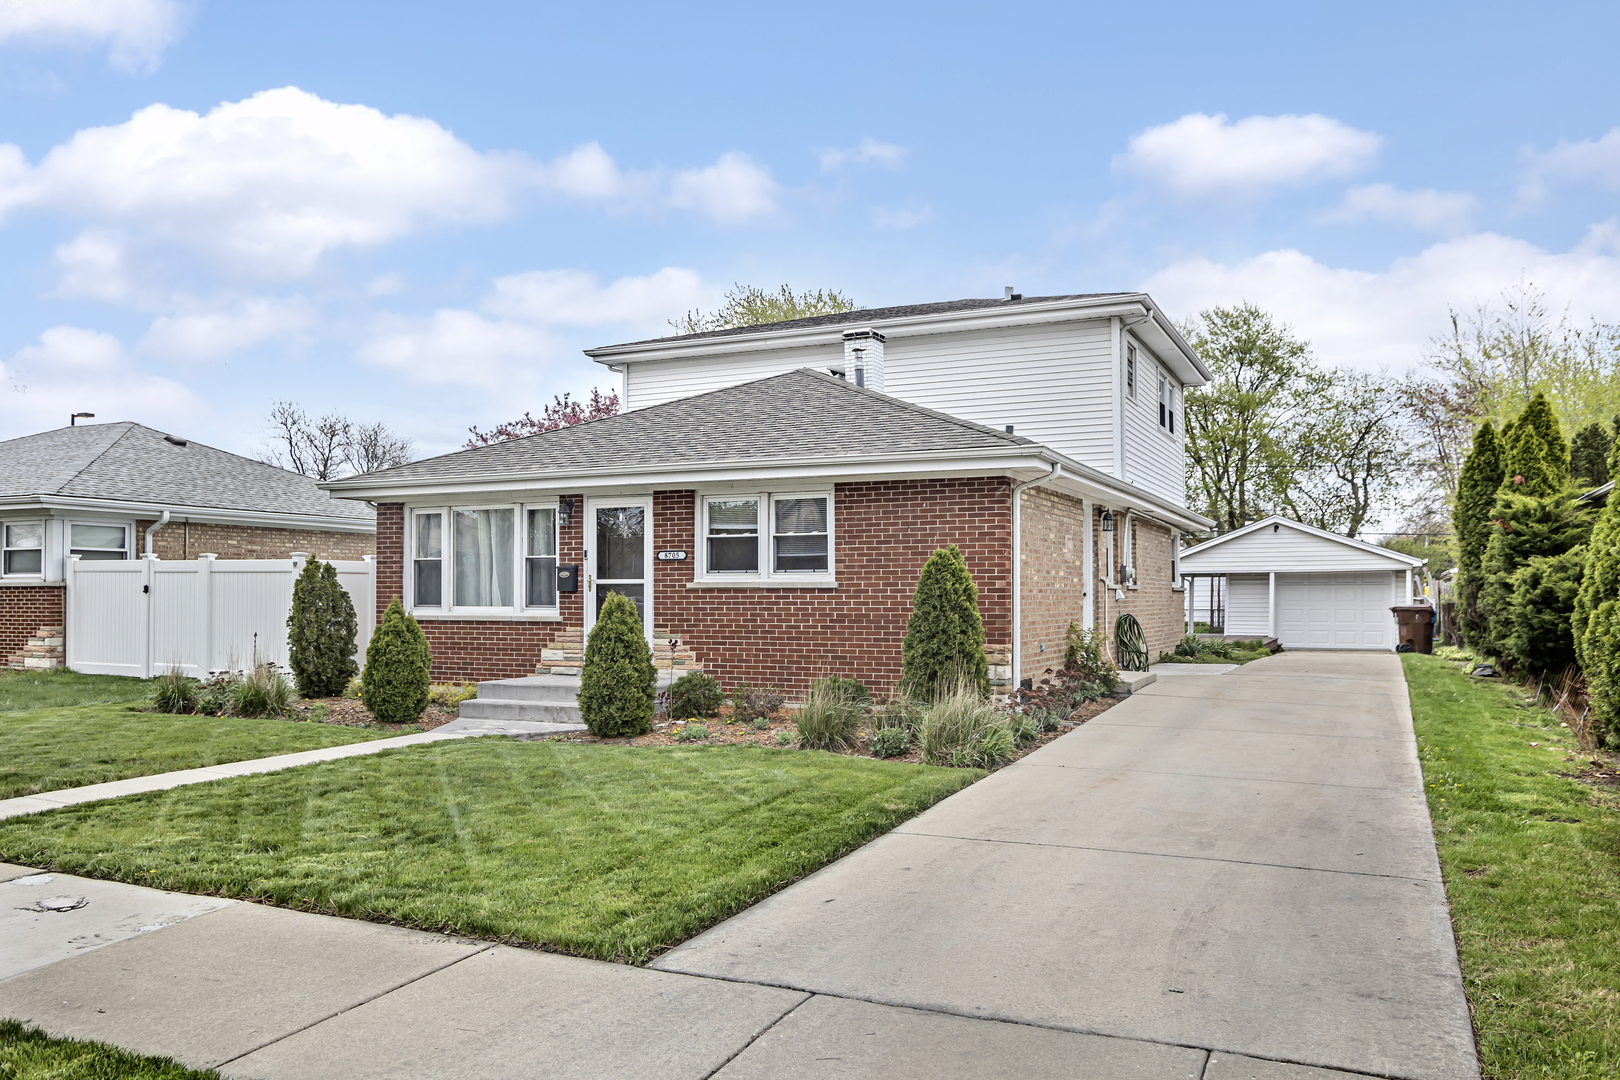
[672,556]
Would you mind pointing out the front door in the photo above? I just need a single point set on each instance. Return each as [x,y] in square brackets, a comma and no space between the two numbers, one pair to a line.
[618,555]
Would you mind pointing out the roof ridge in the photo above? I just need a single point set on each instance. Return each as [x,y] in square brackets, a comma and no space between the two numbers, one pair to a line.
[66,478]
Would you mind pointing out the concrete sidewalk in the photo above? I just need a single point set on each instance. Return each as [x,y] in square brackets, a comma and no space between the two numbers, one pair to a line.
[1209,881]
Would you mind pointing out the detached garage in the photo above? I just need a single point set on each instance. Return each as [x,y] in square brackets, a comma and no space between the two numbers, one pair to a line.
[1306,587]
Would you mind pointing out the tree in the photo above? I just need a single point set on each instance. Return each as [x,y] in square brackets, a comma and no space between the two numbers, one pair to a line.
[1595,621]
[330,447]
[747,305]
[1477,484]
[1440,420]
[563,411]
[1589,455]
[1237,454]
[1346,450]
[1438,555]
[394,685]
[618,685]
[1537,460]
[320,632]
[1539,637]
[1523,527]
[944,639]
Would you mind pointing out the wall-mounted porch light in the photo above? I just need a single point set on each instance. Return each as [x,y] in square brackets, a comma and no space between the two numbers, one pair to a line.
[1108,521]
[565,512]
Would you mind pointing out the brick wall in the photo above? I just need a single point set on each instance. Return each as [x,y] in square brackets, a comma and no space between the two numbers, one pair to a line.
[1159,609]
[1052,529]
[187,540]
[885,531]
[23,610]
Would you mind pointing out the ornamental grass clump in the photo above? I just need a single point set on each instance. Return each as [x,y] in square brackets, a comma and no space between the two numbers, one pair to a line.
[174,693]
[320,632]
[618,686]
[830,717]
[961,728]
[264,691]
[395,684]
[944,641]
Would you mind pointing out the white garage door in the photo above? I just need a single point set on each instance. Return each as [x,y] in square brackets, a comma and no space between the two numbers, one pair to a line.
[1337,611]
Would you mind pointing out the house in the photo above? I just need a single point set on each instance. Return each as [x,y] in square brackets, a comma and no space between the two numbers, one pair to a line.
[771,494]
[1308,588]
[110,491]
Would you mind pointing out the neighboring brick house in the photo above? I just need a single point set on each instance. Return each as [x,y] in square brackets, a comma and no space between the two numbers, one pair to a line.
[102,491]
[776,528]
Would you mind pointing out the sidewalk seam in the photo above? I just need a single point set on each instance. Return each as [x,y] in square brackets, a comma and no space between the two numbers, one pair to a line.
[758,1034]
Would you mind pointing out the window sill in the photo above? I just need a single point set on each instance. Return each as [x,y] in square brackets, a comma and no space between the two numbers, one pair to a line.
[1178,588]
[19,580]
[433,615]
[763,583]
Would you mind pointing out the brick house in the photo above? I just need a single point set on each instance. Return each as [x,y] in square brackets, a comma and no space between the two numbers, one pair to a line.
[771,495]
[105,491]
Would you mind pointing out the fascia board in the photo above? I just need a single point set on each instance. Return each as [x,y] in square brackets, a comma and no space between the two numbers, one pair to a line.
[178,514]
[1308,530]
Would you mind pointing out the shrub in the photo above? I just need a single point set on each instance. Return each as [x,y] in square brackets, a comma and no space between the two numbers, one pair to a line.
[264,691]
[695,694]
[1525,526]
[1086,692]
[174,693]
[353,689]
[1477,484]
[1087,657]
[849,688]
[217,693]
[888,742]
[951,729]
[617,685]
[1540,637]
[450,695]
[944,641]
[828,719]
[395,688]
[692,733]
[320,632]
[750,703]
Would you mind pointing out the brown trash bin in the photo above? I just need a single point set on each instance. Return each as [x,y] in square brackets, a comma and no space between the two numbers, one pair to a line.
[1415,626]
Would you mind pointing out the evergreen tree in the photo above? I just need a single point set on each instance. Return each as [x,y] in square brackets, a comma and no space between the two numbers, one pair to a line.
[1596,619]
[617,685]
[945,636]
[1537,461]
[320,632]
[1477,483]
[1544,589]
[1522,528]
[1589,456]
[394,685]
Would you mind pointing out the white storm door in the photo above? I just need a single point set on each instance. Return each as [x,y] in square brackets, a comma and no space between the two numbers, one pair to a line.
[618,555]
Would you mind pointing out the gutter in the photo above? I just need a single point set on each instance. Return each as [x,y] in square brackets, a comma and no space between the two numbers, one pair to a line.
[162,520]
[1018,570]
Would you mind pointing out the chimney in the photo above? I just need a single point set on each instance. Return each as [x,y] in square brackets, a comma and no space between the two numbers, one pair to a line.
[1006,292]
[863,358]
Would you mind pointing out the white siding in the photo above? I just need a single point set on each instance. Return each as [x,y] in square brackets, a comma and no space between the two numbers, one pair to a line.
[1154,459]
[1283,551]
[1248,605]
[654,382]
[1051,382]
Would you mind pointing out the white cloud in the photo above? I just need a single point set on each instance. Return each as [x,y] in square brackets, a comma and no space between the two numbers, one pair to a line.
[1371,319]
[76,370]
[869,152]
[266,185]
[509,342]
[1427,210]
[732,190]
[1590,160]
[135,31]
[589,172]
[242,324]
[885,218]
[1201,156]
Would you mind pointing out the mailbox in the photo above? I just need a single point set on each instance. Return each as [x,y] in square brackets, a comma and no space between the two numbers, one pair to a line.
[567,578]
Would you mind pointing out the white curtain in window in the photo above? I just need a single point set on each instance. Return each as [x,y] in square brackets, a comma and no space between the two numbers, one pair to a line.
[483,555]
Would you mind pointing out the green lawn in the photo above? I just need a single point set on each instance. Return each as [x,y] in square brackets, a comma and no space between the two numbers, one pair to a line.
[608,852]
[45,689]
[1532,870]
[29,1054]
[53,748]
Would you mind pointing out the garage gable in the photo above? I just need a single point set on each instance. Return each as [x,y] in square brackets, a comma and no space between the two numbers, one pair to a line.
[1280,546]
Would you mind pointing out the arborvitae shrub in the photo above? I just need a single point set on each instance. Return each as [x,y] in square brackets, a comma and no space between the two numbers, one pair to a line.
[395,684]
[695,694]
[1597,647]
[1589,456]
[1477,485]
[617,686]
[944,642]
[1539,637]
[1523,527]
[320,632]
[1537,460]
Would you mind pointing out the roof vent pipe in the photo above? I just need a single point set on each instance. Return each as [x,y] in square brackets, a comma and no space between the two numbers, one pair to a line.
[163,519]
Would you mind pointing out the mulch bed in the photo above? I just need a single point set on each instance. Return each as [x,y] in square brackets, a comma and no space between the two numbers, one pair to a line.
[351,712]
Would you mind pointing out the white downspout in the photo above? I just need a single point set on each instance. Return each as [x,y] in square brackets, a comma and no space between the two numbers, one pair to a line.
[1018,571]
[162,520]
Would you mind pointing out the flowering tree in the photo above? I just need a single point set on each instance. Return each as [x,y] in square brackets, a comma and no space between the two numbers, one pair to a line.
[563,411]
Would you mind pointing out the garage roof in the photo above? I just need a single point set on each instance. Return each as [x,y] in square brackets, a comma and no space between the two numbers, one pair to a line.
[1279,545]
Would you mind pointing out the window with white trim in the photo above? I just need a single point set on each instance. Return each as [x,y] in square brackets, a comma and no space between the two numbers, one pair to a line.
[799,536]
[1166,420]
[482,554]
[1130,371]
[427,560]
[24,549]
[540,562]
[731,541]
[98,542]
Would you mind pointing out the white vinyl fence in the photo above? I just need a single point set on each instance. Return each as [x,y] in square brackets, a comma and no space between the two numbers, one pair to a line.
[146,616]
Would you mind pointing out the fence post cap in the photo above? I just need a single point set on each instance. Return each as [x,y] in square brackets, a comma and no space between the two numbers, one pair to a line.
[209,555]
[150,555]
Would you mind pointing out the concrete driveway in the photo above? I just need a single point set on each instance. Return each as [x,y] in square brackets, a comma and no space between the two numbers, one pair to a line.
[1240,863]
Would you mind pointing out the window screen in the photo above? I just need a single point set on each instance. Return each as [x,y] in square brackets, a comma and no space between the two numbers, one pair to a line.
[733,536]
[429,560]
[541,559]
[799,535]
[25,548]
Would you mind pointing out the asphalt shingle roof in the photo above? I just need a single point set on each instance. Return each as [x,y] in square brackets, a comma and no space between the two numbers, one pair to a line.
[800,414]
[870,315]
[127,462]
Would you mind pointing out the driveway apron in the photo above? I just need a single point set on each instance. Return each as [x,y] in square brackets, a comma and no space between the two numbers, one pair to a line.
[1240,863]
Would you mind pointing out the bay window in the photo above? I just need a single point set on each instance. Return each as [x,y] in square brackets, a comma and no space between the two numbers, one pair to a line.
[98,542]
[24,550]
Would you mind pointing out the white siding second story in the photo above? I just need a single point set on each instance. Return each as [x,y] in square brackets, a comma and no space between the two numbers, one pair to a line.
[1054,368]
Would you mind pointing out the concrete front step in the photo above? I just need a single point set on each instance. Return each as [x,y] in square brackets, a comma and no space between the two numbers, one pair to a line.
[548,699]
[486,709]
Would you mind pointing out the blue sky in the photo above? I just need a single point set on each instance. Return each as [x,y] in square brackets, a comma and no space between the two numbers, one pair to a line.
[420,213]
